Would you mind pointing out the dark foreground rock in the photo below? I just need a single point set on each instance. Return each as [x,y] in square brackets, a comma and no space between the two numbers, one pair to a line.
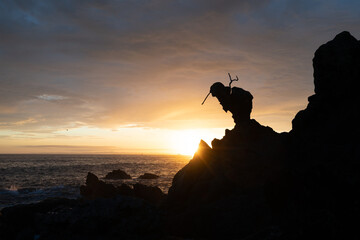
[116,218]
[231,189]
[103,212]
[149,176]
[96,188]
[258,184]
[117,174]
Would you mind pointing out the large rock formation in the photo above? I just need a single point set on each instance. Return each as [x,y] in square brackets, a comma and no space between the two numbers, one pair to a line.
[324,141]
[334,108]
[259,184]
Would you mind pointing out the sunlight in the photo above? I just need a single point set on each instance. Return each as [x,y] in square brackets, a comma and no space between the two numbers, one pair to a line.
[186,142]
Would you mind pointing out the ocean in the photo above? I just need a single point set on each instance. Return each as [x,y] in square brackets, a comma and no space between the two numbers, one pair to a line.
[30,178]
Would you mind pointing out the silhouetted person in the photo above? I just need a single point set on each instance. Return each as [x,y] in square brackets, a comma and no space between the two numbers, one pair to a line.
[236,100]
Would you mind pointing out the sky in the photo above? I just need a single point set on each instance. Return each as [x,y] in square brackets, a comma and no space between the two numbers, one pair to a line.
[129,76]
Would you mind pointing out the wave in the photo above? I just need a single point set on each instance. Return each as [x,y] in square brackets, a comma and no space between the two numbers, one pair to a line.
[13,195]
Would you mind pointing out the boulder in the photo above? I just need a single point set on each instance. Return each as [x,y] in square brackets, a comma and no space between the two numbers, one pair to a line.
[152,194]
[117,174]
[149,176]
[96,188]
[125,190]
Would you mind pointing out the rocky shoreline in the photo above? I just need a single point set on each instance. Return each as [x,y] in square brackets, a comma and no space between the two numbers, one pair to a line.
[253,183]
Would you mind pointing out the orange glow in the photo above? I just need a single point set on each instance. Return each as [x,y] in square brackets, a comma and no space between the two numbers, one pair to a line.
[87,140]
[186,142]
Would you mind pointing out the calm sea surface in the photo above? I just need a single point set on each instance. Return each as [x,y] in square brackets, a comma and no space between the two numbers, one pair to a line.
[31,178]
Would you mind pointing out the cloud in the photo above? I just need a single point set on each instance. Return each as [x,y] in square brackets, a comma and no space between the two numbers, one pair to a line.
[150,63]
[27,121]
[48,97]
[88,149]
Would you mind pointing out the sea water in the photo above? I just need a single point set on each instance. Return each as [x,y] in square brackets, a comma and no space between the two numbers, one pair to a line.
[30,178]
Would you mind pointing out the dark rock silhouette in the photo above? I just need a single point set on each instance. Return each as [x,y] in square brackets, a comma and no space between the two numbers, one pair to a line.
[117,174]
[149,193]
[125,190]
[122,217]
[225,191]
[96,188]
[333,107]
[258,184]
[324,143]
[149,176]
[236,100]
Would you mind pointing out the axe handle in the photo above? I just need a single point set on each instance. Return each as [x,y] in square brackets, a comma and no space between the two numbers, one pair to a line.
[205,98]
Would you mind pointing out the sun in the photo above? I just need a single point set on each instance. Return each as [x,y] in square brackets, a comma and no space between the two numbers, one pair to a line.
[186,142]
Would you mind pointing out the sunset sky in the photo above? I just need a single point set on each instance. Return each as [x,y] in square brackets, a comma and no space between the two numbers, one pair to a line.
[129,76]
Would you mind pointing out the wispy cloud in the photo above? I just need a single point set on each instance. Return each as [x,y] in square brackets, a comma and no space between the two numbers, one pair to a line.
[144,63]
[48,97]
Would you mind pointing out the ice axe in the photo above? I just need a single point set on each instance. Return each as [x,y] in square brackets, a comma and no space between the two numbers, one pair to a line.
[232,80]
[205,98]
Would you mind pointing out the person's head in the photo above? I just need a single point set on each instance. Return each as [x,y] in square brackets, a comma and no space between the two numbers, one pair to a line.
[217,89]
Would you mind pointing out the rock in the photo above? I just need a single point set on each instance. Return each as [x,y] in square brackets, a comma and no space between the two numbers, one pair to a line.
[117,174]
[152,194]
[257,184]
[91,179]
[222,183]
[116,218]
[324,142]
[21,221]
[336,67]
[331,108]
[96,188]
[188,177]
[125,190]
[149,176]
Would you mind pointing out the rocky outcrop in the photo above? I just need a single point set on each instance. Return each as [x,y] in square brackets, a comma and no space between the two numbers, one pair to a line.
[96,188]
[226,190]
[334,106]
[325,143]
[257,184]
[149,176]
[117,174]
